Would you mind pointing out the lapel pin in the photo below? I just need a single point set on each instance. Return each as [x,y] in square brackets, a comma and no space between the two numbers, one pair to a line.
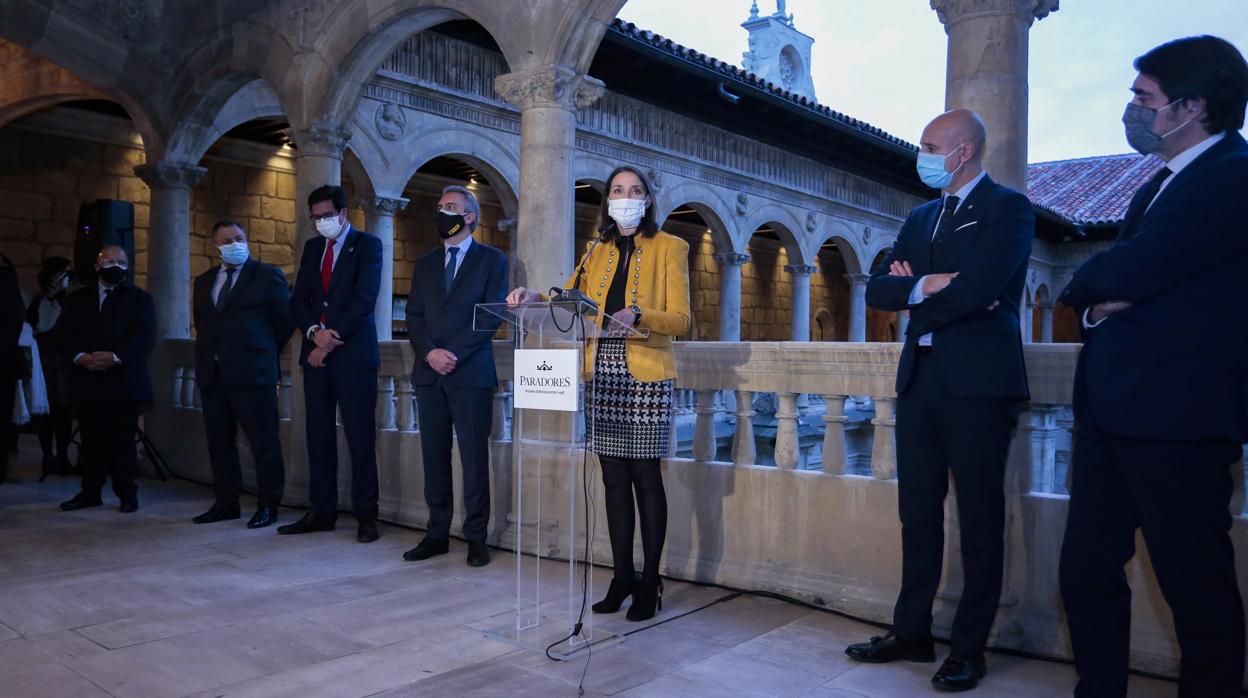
[351,249]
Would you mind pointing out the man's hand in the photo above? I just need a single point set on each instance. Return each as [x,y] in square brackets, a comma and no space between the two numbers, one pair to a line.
[441,361]
[327,340]
[316,359]
[1100,311]
[97,361]
[900,269]
[523,295]
[935,283]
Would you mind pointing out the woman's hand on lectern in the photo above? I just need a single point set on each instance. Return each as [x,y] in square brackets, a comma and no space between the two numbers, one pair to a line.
[523,295]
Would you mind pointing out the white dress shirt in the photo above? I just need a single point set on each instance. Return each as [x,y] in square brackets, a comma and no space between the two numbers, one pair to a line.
[459,256]
[1175,165]
[916,294]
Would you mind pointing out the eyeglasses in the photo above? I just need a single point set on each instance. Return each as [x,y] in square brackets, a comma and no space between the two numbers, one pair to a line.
[325,216]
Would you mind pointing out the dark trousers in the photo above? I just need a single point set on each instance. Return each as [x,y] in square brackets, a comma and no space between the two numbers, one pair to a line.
[938,432]
[1178,494]
[468,412]
[226,408]
[108,432]
[354,394]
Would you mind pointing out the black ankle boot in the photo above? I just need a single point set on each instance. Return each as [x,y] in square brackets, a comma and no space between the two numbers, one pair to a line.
[620,589]
[646,598]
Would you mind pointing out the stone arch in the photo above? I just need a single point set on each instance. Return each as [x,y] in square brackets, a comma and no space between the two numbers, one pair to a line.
[707,202]
[847,243]
[227,103]
[824,329]
[389,176]
[33,83]
[786,225]
[360,34]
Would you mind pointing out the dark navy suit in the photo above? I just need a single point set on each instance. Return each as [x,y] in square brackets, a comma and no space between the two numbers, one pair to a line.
[438,318]
[957,401]
[236,368]
[1161,403]
[348,382]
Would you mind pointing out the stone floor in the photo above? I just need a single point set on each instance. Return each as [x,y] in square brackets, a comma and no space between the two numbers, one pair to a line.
[97,603]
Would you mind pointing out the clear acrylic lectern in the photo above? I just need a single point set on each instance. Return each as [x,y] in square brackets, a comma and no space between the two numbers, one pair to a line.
[551,339]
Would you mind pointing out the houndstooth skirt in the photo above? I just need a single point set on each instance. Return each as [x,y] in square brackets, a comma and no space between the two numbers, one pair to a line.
[624,417]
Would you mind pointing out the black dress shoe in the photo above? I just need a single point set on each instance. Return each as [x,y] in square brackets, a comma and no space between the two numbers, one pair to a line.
[81,500]
[218,512]
[367,532]
[478,553]
[266,515]
[310,523]
[646,598]
[620,590]
[960,673]
[891,648]
[129,506]
[426,549]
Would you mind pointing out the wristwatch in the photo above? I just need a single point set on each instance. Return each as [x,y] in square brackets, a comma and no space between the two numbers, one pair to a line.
[636,314]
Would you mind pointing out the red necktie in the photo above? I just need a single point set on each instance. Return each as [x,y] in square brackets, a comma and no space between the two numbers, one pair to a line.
[327,270]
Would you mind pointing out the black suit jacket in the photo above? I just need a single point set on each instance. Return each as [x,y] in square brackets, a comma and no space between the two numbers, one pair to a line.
[978,352]
[1173,365]
[438,319]
[238,345]
[348,307]
[125,326]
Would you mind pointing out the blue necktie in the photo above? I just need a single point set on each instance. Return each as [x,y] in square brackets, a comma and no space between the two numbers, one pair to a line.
[449,272]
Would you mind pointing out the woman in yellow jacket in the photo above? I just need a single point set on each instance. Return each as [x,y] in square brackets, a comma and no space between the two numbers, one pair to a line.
[639,275]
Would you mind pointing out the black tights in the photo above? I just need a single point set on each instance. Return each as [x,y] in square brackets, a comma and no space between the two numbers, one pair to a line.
[621,477]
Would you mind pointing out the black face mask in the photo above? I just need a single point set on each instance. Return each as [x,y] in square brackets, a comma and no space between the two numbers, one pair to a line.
[113,275]
[450,224]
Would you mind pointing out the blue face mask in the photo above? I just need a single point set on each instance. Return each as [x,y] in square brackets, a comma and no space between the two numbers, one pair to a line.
[931,169]
[234,253]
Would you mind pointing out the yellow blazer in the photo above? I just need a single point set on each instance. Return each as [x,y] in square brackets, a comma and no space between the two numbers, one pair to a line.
[659,285]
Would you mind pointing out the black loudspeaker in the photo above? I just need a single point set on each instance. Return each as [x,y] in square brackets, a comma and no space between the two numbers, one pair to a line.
[102,222]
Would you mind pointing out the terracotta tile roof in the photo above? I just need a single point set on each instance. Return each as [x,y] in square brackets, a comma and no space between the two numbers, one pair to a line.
[738,74]
[1089,191]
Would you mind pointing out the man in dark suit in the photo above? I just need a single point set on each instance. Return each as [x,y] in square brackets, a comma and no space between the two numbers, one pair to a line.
[1161,389]
[108,330]
[454,376]
[958,267]
[335,291]
[242,319]
[10,355]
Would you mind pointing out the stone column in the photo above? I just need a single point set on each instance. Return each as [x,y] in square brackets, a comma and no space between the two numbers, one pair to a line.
[1028,320]
[379,220]
[548,99]
[318,161]
[1046,323]
[857,307]
[169,244]
[801,300]
[986,71]
[730,264]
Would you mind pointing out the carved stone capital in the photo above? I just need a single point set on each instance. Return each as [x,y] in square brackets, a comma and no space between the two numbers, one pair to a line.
[733,259]
[385,205]
[322,141]
[159,175]
[951,12]
[550,86]
[857,279]
[800,269]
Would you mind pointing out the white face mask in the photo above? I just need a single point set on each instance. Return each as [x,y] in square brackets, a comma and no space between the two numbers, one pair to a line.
[329,229]
[626,213]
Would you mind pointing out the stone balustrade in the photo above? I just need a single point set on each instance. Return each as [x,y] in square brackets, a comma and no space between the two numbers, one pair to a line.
[817,529]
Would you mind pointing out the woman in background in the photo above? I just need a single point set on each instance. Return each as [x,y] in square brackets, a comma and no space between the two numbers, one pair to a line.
[56,279]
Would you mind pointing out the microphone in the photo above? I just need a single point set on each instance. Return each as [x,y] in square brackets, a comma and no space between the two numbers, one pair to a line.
[575,294]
